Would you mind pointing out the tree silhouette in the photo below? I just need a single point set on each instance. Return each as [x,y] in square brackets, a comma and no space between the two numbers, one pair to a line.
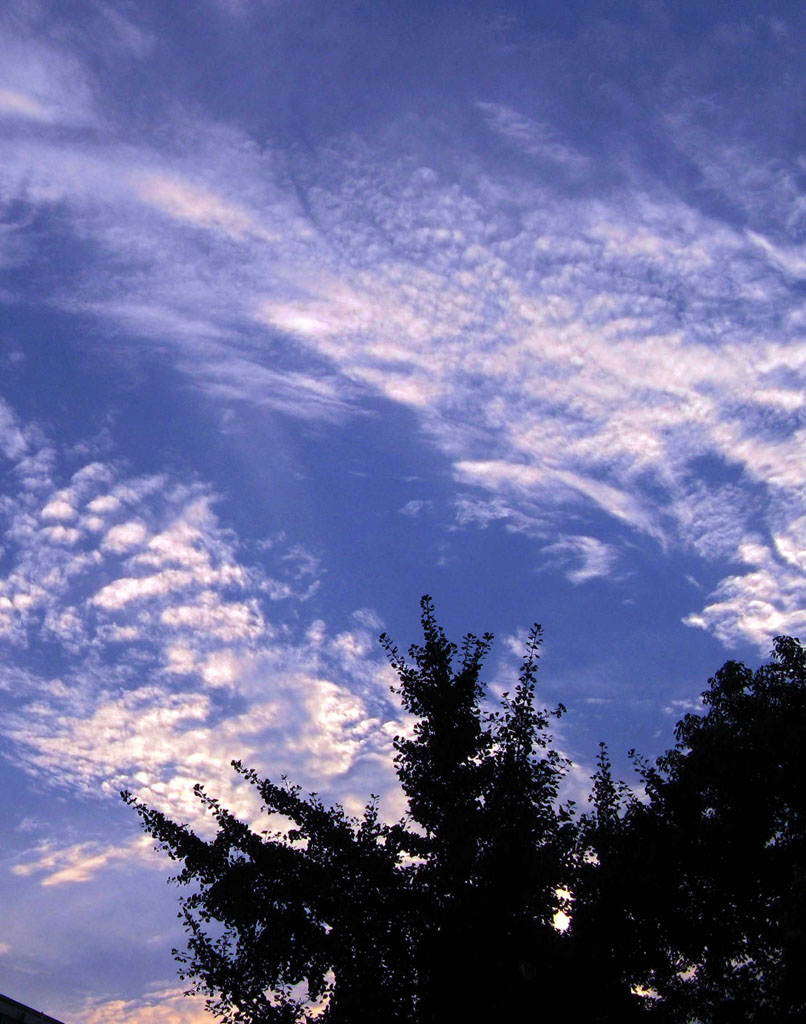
[602,932]
[404,922]
[698,894]
[687,902]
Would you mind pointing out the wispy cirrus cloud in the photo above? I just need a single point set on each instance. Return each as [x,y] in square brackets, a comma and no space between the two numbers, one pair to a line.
[594,559]
[162,1004]
[13,443]
[584,349]
[41,83]
[18,104]
[536,138]
[79,862]
[198,205]
[593,380]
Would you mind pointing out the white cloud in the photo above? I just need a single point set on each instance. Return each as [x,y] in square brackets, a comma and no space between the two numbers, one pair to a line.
[790,260]
[417,507]
[62,535]
[163,1004]
[302,395]
[534,137]
[368,618]
[170,664]
[183,542]
[42,83]
[197,205]
[125,536]
[764,602]
[104,504]
[596,557]
[220,668]
[80,861]
[12,440]
[790,544]
[493,474]
[713,520]
[121,592]
[159,743]
[228,621]
[483,513]
[582,349]
[17,104]
[59,507]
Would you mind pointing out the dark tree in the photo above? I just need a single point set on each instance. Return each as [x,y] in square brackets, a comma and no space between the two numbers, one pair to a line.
[445,915]
[602,933]
[698,894]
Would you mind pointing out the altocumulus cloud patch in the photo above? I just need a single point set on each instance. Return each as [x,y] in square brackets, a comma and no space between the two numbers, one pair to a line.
[166,657]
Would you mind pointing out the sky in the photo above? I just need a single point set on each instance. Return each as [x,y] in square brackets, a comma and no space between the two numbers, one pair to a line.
[311,307]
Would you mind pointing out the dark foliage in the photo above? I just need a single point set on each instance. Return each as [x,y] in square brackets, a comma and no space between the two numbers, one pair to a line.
[409,922]
[698,894]
[687,904]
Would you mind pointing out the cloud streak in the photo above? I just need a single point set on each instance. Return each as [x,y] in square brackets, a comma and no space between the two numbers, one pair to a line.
[602,347]
[594,559]
[583,351]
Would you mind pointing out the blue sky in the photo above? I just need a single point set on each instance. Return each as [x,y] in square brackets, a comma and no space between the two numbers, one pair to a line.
[309,308]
